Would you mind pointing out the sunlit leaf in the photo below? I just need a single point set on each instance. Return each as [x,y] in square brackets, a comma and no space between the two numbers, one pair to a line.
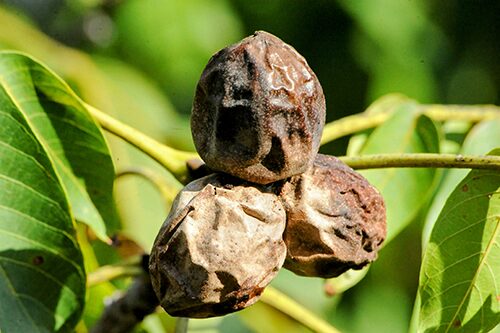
[459,279]
[404,190]
[42,280]
[483,137]
[67,133]
[269,320]
[227,324]
[387,104]
[374,308]
[308,291]
[349,279]
[454,132]
[125,94]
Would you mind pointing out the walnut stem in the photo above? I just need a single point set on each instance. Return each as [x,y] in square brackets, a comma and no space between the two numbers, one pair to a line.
[422,160]
[270,296]
[111,272]
[172,159]
[363,121]
[181,325]
[288,306]
[175,160]
[167,186]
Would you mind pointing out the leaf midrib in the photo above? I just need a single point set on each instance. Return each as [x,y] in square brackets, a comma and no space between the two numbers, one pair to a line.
[46,274]
[13,291]
[476,273]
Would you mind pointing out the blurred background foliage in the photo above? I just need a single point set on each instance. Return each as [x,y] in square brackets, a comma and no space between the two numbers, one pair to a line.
[139,60]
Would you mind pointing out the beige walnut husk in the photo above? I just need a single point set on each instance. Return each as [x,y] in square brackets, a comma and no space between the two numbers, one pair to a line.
[219,248]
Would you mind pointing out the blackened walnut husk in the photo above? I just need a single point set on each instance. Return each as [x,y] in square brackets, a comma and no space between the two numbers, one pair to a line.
[335,220]
[258,111]
[219,248]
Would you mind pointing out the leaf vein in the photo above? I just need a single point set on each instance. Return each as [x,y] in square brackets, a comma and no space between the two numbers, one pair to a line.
[45,273]
[37,193]
[11,287]
[49,249]
[44,224]
[481,263]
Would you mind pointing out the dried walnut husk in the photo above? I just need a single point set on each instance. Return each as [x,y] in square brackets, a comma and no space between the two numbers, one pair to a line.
[258,111]
[335,220]
[219,247]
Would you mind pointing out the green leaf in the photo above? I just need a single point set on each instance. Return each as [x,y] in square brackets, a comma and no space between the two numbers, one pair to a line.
[137,102]
[42,281]
[97,293]
[389,104]
[67,133]
[454,132]
[346,281]
[310,292]
[405,190]
[459,285]
[269,320]
[227,324]
[375,307]
[483,137]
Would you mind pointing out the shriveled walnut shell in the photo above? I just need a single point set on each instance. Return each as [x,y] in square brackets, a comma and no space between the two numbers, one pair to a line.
[335,220]
[219,248]
[258,111]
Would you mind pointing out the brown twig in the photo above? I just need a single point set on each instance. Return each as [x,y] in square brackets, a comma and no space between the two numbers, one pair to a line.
[127,310]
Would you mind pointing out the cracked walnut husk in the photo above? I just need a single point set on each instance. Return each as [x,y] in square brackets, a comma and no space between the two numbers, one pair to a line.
[258,111]
[257,118]
[219,248]
[335,220]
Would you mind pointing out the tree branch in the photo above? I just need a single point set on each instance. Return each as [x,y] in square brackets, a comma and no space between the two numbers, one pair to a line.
[172,159]
[352,124]
[168,187]
[123,313]
[140,296]
[181,325]
[363,121]
[111,272]
[288,306]
[422,160]
[175,161]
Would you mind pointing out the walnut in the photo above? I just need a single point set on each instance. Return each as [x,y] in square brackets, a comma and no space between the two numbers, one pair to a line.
[258,111]
[257,118]
[219,248]
[335,220]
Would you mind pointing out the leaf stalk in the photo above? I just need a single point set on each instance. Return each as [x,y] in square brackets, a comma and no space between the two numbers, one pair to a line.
[288,306]
[172,159]
[422,160]
[363,121]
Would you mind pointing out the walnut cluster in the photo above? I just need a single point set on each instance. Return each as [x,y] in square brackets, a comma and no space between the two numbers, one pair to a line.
[273,201]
